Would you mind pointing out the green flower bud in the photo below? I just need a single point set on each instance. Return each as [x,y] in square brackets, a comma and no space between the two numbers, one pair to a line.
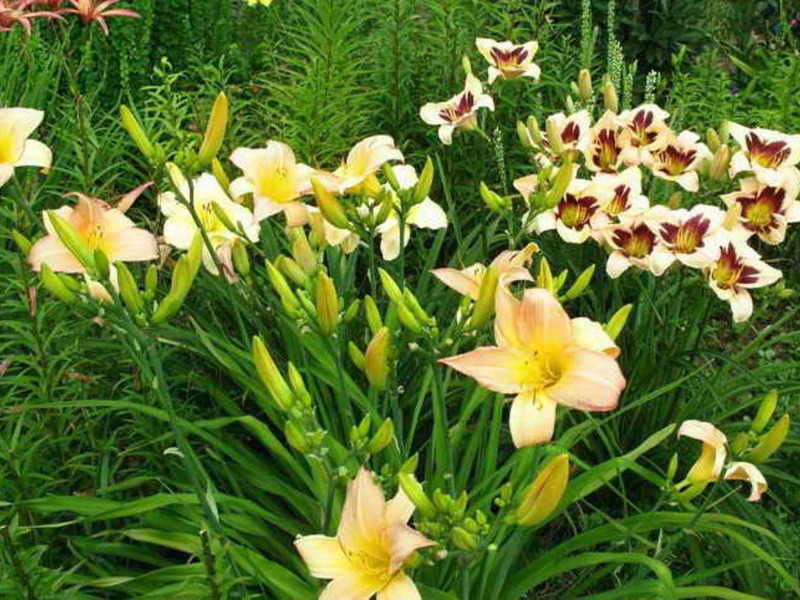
[101,263]
[179,287]
[298,385]
[70,238]
[358,358]
[463,539]
[327,304]
[373,314]
[408,319]
[376,365]
[131,124]
[241,261]
[195,253]
[390,287]
[410,466]
[219,173]
[56,286]
[580,285]
[484,305]
[585,85]
[560,184]
[382,438]
[391,178]
[296,438]
[271,376]
[415,307]
[672,468]
[544,279]
[610,97]
[290,302]
[215,131]
[541,498]
[765,411]
[352,311]
[128,289]
[330,207]
[425,182]
[150,281]
[617,322]
[770,442]
[304,255]
[23,243]
[292,270]
[413,489]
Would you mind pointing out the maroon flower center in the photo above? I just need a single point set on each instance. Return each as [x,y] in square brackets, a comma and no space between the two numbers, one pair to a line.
[686,237]
[731,270]
[640,127]
[769,155]
[571,133]
[576,212]
[675,161]
[637,242]
[457,111]
[760,208]
[509,61]
[606,150]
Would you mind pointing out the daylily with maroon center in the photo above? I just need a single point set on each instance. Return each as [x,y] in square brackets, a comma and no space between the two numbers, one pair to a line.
[373,542]
[635,244]
[544,359]
[573,131]
[626,203]
[604,151]
[738,269]
[509,60]
[680,160]
[90,10]
[643,130]
[15,13]
[766,210]
[692,236]
[460,112]
[770,155]
[573,214]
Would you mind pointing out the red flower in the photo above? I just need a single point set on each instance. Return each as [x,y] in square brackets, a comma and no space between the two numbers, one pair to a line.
[15,12]
[91,10]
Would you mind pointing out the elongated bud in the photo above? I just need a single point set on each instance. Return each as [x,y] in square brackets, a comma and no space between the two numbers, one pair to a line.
[70,238]
[298,386]
[408,319]
[296,438]
[352,311]
[373,315]
[223,217]
[765,411]
[560,280]
[356,355]
[329,206]
[524,136]
[215,131]
[292,270]
[494,201]
[128,289]
[554,137]
[220,175]
[288,298]
[391,178]
[390,287]
[463,539]
[308,305]
[466,64]
[410,300]
[23,243]
[56,286]
[739,443]
[672,468]
[386,206]
[327,304]
[610,98]
[195,253]
[585,85]
[131,124]
[413,489]
[304,255]
[725,132]
[484,305]
[150,281]
[533,127]
[712,138]
[241,262]
[541,498]
[675,200]
[376,365]
[382,438]
[101,263]
[770,442]
[560,184]
[179,287]
[569,104]
[410,466]
[720,163]
[580,284]
[544,279]
[425,182]
[617,322]
[270,375]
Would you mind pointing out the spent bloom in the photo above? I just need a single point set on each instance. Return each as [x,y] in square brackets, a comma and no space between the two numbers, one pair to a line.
[16,150]
[680,160]
[544,359]
[766,210]
[93,11]
[460,112]
[509,60]
[770,155]
[371,545]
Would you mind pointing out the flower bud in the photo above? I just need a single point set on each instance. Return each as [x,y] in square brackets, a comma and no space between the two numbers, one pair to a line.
[70,238]
[290,268]
[56,286]
[390,287]
[327,304]
[391,178]
[408,319]
[712,139]
[23,243]
[128,289]
[560,184]
[770,442]
[413,489]
[719,163]
[150,281]
[525,136]
[352,311]
[195,253]
[131,124]
[585,85]
[580,284]
[765,411]
[373,314]
[297,385]
[569,104]
[533,127]
[541,498]
[544,279]
[241,261]
[305,302]
[610,98]
[382,438]
[296,438]
[466,64]
[101,263]
[494,201]
[672,468]
[270,376]
[463,539]
[220,175]
[675,200]
[739,443]
[410,466]
[410,300]
[356,355]
[304,255]
[425,182]
[484,305]
[376,359]
[554,137]
[215,131]
[617,322]
[329,206]
[288,298]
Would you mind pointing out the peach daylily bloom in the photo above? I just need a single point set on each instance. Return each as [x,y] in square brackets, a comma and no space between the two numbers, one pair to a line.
[644,130]
[373,542]
[511,266]
[744,471]
[770,155]
[680,160]
[766,210]
[544,359]
[459,112]
[16,150]
[99,11]
[275,179]
[509,60]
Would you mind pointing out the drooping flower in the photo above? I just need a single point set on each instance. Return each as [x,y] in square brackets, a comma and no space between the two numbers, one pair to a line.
[371,545]
[766,210]
[460,112]
[693,236]
[738,269]
[93,11]
[511,266]
[644,130]
[571,132]
[604,150]
[16,150]
[180,227]
[101,227]
[680,160]
[635,244]
[770,155]
[426,214]
[509,60]
[15,12]
[572,215]
[744,471]
[544,359]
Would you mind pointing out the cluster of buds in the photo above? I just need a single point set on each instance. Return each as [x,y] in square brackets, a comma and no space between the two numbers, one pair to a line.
[754,444]
[364,443]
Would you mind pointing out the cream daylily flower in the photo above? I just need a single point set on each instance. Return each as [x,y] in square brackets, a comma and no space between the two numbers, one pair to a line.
[744,471]
[604,150]
[693,236]
[373,541]
[644,130]
[737,269]
[101,227]
[511,266]
[573,214]
[363,161]
[634,244]
[679,160]
[16,150]
[544,359]
[626,204]
[460,112]
[426,214]
[766,210]
[509,60]
[180,227]
[573,131]
[770,155]
[275,179]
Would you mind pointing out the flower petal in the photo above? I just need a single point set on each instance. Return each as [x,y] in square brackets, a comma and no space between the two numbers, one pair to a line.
[532,421]
[400,588]
[466,282]
[363,515]
[497,369]
[324,556]
[427,214]
[403,542]
[543,323]
[35,154]
[748,472]
[591,335]
[49,250]
[591,381]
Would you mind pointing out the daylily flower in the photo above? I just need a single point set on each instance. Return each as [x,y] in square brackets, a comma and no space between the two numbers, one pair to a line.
[101,227]
[572,132]
[693,236]
[16,150]
[373,541]
[644,130]
[92,10]
[345,239]
[544,359]
[180,227]
[745,471]
[275,179]
[635,244]
[627,201]
[509,60]
[679,160]
[426,214]
[604,150]
[738,269]
[769,155]
[572,216]
[511,266]
[766,210]
[460,112]
[15,12]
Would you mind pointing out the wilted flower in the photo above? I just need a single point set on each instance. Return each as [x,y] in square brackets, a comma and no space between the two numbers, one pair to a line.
[568,134]
[693,236]
[275,179]
[766,210]
[544,359]
[16,150]
[679,160]
[769,155]
[745,471]
[94,11]
[643,130]
[572,216]
[509,60]
[15,12]
[461,111]
[373,542]
[604,150]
